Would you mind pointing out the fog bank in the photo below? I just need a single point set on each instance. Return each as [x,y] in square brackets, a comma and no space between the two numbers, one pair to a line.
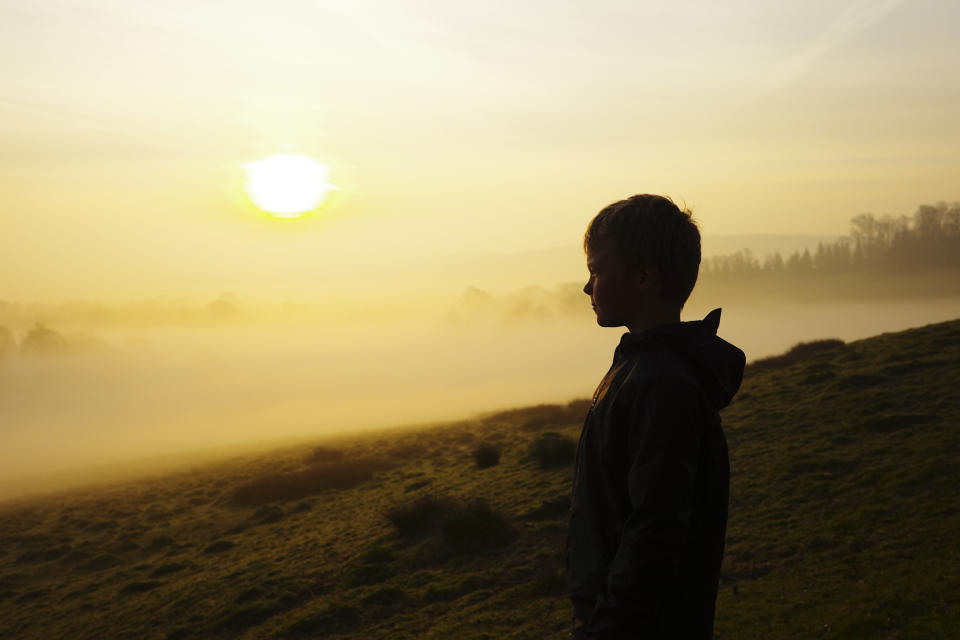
[165,389]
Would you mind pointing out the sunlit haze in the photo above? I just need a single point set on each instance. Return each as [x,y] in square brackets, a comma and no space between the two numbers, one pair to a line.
[270,220]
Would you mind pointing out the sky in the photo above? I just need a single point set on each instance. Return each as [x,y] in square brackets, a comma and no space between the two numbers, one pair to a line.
[450,128]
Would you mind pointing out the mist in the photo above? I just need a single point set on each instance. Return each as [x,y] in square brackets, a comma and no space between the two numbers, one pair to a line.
[231,374]
[160,390]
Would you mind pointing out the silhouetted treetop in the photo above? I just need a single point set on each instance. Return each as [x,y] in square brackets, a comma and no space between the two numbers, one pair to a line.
[40,339]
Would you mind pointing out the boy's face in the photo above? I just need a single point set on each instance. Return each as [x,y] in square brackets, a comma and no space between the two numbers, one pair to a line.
[617,297]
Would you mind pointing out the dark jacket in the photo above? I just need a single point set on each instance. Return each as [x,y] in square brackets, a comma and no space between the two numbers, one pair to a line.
[651,483]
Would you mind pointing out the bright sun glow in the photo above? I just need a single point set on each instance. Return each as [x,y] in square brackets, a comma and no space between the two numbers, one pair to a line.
[287,185]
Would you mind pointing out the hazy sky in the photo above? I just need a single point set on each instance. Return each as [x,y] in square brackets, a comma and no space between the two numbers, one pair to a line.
[450,127]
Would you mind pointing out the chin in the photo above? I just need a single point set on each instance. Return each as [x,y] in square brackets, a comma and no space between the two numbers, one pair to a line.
[607,322]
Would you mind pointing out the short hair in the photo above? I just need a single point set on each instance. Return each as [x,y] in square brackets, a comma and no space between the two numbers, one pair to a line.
[650,230]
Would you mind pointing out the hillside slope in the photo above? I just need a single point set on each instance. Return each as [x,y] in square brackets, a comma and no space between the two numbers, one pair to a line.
[843,520]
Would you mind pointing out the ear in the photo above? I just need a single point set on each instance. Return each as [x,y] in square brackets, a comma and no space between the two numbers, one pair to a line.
[647,279]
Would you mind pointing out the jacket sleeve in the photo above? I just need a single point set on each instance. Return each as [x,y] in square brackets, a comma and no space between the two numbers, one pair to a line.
[663,446]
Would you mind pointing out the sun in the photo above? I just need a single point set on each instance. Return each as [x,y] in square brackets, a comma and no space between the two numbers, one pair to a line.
[287,185]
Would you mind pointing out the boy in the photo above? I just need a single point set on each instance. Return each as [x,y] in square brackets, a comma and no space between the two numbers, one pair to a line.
[651,478]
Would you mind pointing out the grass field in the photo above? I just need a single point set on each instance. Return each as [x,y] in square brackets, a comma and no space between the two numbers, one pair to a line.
[843,522]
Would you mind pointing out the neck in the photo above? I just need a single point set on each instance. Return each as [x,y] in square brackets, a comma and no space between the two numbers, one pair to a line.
[654,318]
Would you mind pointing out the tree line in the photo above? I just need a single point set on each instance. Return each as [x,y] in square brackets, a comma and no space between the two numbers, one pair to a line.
[39,340]
[930,239]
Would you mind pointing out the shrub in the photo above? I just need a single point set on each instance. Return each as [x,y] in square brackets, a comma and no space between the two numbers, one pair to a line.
[101,563]
[418,484]
[220,546]
[548,583]
[325,454]
[42,340]
[7,342]
[552,450]
[43,555]
[406,451]
[551,509]
[242,618]
[159,543]
[796,353]
[373,567]
[418,515]
[302,507]
[167,569]
[267,513]
[335,617]
[464,526]
[300,484]
[541,416]
[139,587]
[475,525]
[384,597]
[486,455]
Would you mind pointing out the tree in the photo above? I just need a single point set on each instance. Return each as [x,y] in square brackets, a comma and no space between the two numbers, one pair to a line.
[8,343]
[41,340]
[773,262]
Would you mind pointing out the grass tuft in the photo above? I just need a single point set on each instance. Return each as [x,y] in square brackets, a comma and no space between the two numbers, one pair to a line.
[887,423]
[417,516]
[486,456]
[159,543]
[551,582]
[475,526]
[553,450]
[167,569]
[244,617]
[373,567]
[385,597]
[101,563]
[335,617]
[551,509]
[43,555]
[267,513]
[325,454]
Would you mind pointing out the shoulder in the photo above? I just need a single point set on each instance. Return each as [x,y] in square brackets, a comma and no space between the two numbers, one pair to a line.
[660,372]
[668,390]
[657,389]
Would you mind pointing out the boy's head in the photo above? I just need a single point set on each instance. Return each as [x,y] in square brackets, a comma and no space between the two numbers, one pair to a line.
[648,240]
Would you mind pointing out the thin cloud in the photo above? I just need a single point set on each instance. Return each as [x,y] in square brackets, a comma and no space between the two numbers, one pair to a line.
[78,117]
[852,20]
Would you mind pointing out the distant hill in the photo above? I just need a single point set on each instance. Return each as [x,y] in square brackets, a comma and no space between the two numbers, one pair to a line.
[843,522]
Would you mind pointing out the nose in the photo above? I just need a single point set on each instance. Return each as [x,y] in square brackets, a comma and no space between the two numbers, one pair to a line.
[588,288]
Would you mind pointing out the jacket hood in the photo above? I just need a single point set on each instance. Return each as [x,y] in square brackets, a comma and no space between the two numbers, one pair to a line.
[717,364]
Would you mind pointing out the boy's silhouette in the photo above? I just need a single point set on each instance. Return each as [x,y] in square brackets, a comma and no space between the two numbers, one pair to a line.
[650,488]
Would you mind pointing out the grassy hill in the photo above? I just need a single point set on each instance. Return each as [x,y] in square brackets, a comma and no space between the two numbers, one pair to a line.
[843,522]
